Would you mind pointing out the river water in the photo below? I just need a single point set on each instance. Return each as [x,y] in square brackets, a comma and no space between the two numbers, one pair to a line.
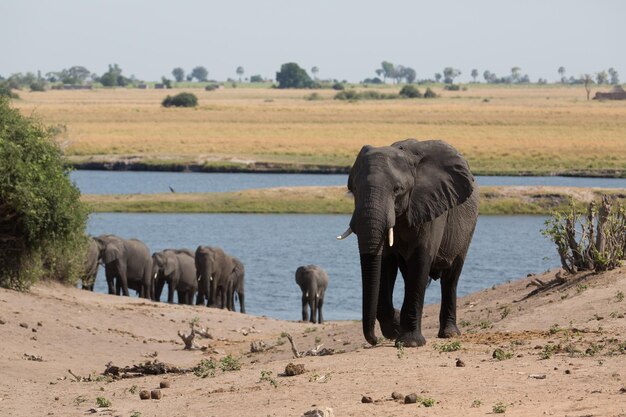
[273,246]
[135,182]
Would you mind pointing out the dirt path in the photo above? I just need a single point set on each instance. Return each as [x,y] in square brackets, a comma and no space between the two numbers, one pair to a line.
[562,352]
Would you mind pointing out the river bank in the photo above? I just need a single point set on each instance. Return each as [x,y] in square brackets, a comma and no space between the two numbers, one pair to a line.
[336,200]
[555,350]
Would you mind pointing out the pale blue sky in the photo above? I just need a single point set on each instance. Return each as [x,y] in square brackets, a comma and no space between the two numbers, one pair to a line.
[345,39]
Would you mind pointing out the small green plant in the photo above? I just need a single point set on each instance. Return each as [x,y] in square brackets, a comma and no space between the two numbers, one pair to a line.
[505,312]
[401,353]
[465,323]
[593,349]
[549,350]
[499,408]
[206,368]
[501,354]
[485,324]
[476,403]
[228,363]
[103,402]
[133,389]
[448,346]
[135,414]
[280,341]
[310,330]
[284,334]
[580,288]
[425,401]
[555,328]
[266,376]
[619,296]
[194,322]
[317,340]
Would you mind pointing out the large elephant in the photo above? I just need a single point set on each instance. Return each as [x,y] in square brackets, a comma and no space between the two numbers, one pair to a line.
[89,273]
[177,267]
[214,268]
[127,264]
[236,286]
[313,281]
[415,209]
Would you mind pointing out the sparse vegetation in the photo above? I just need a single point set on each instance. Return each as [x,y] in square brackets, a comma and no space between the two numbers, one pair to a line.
[206,368]
[619,296]
[103,402]
[594,242]
[501,355]
[452,346]
[267,376]
[476,403]
[504,312]
[180,100]
[228,363]
[499,408]
[401,352]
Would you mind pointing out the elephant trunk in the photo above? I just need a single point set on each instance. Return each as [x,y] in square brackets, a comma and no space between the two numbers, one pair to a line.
[370,274]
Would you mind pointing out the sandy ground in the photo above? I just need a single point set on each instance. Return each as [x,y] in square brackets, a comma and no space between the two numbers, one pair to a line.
[563,352]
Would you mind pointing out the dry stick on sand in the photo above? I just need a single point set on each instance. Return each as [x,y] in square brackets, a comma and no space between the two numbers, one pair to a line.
[318,351]
[188,339]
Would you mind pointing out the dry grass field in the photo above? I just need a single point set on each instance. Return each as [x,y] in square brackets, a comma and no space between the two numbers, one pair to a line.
[505,129]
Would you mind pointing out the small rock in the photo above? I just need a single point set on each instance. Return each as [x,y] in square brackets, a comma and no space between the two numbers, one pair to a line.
[56,398]
[537,376]
[567,371]
[24,325]
[39,324]
[410,399]
[164,384]
[622,390]
[397,396]
[144,394]
[3,322]
[326,412]
[156,394]
[294,369]
[460,363]
[34,330]
[366,400]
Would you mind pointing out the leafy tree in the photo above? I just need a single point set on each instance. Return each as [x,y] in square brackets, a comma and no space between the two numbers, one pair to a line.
[388,70]
[409,74]
[314,71]
[42,221]
[166,82]
[240,72]
[200,73]
[181,100]
[438,77]
[474,74]
[449,74]
[410,91]
[256,79]
[515,74]
[113,77]
[179,74]
[614,76]
[291,75]
[602,77]
[561,72]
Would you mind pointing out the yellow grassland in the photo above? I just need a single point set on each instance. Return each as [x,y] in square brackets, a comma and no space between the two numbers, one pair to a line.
[498,129]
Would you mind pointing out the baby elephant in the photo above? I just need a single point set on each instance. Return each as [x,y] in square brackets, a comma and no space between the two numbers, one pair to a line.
[313,281]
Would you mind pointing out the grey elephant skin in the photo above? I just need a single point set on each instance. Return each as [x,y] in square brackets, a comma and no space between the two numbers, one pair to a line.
[313,281]
[177,268]
[88,277]
[215,272]
[415,210]
[127,264]
[236,285]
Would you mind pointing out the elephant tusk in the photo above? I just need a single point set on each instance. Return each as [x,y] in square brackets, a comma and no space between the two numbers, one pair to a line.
[345,234]
[390,236]
[155,275]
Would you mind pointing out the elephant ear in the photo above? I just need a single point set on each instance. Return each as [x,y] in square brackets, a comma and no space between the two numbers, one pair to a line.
[443,179]
[111,253]
[169,265]
[355,166]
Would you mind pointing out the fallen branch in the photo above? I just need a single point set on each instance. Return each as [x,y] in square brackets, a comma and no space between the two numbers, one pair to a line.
[188,339]
[318,351]
[147,368]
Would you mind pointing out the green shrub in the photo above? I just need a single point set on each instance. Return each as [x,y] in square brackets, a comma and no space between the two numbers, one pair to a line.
[291,75]
[430,93]
[211,87]
[601,235]
[338,87]
[410,91]
[452,87]
[181,100]
[38,86]
[6,90]
[42,221]
[347,95]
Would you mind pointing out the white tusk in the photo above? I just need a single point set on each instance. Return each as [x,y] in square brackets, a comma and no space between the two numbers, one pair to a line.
[155,275]
[391,237]
[211,278]
[345,234]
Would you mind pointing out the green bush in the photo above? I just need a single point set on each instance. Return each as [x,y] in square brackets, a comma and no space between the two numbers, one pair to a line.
[42,221]
[291,75]
[430,93]
[410,91]
[592,241]
[181,100]
[211,87]
[452,87]
[338,87]
[6,90]
[38,86]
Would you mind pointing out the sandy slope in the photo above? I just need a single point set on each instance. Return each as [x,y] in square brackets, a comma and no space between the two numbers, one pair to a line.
[84,331]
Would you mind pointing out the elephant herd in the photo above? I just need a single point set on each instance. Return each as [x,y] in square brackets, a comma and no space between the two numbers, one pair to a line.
[210,274]
[415,211]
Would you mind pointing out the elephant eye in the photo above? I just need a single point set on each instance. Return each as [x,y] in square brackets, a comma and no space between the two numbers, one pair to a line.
[397,189]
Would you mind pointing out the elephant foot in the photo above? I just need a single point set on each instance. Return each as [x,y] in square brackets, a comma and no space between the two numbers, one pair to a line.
[391,328]
[448,331]
[411,339]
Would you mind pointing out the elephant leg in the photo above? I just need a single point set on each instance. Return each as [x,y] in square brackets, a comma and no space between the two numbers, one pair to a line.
[388,317]
[110,280]
[447,314]
[170,292]
[242,307]
[312,301]
[415,283]
[305,307]
[320,304]
[124,282]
